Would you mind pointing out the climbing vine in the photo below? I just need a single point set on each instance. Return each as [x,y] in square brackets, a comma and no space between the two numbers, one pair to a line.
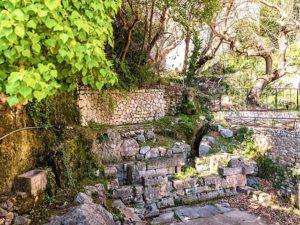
[48,46]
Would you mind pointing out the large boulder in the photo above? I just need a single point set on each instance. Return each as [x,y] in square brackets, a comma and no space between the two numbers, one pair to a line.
[84,214]
[108,148]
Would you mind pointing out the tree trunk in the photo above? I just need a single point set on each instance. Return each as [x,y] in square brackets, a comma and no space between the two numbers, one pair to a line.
[259,85]
[187,49]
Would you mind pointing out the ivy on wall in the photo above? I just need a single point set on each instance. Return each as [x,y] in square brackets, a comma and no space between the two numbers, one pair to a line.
[48,46]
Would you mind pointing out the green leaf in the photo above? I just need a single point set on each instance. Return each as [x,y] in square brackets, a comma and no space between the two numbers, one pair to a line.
[50,23]
[12,100]
[19,15]
[20,30]
[64,37]
[25,91]
[26,53]
[31,24]
[39,95]
[36,48]
[52,4]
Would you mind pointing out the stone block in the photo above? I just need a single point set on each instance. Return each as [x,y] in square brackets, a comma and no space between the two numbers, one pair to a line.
[165,163]
[133,175]
[211,195]
[152,153]
[152,194]
[184,184]
[166,218]
[238,180]
[166,202]
[250,169]
[155,180]
[110,172]
[229,171]
[124,193]
[33,182]
[151,210]
[213,182]
[236,162]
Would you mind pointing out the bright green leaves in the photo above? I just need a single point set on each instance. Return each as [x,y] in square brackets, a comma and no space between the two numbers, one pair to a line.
[20,30]
[52,4]
[52,45]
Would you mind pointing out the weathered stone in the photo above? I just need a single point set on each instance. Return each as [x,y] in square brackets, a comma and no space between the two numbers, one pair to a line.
[83,198]
[129,216]
[213,182]
[144,150]
[236,162]
[166,202]
[133,175]
[125,193]
[253,182]
[238,180]
[6,218]
[164,219]
[152,153]
[152,194]
[129,148]
[250,169]
[150,135]
[141,138]
[227,133]
[113,184]
[151,211]
[183,184]
[21,220]
[228,171]
[33,182]
[203,149]
[165,163]
[211,195]
[230,191]
[155,180]
[110,171]
[189,213]
[85,214]
[97,191]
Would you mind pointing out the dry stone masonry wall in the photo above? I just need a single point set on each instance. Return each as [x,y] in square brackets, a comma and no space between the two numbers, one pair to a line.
[117,108]
[280,145]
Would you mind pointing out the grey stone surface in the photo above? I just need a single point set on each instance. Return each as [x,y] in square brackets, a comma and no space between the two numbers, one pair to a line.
[33,182]
[84,214]
[150,135]
[144,150]
[152,153]
[190,213]
[129,216]
[21,220]
[164,219]
[235,217]
[228,171]
[141,138]
[129,148]
[226,133]
[151,211]
[83,198]
[236,162]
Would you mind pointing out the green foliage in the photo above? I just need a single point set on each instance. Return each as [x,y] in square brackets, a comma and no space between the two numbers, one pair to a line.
[242,142]
[279,175]
[54,45]
[132,75]
[186,173]
[39,112]
[192,64]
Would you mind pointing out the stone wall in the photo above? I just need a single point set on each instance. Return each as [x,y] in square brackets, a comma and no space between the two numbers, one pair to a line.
[281,145]
[262,114]
[117,108]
